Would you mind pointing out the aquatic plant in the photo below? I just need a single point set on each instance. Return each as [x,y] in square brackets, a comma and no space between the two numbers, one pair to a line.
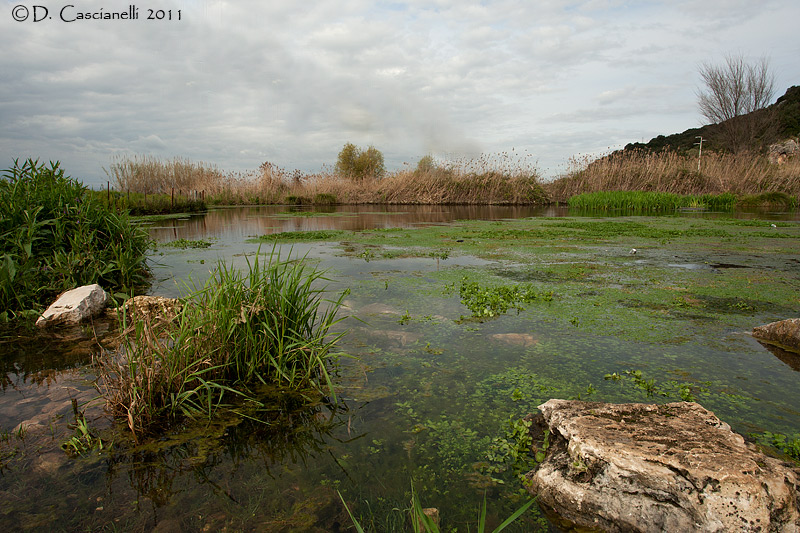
[790,445]
[84,440]
[269,325]
[649,201]
[423,522]
[489,302]
[183,244]
[55,236]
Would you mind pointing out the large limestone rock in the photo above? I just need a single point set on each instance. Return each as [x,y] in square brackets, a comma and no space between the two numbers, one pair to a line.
[784,333]
[74,306]
[653,468]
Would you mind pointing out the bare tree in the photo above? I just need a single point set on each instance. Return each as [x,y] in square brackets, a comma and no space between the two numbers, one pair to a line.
[734,95]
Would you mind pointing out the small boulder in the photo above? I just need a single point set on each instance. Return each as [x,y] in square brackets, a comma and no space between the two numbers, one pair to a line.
[784,333]
[74,306]
[653,468]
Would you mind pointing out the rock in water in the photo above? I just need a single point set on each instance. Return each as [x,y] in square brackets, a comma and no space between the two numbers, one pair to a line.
[673,467]
[785,333]
[74,306]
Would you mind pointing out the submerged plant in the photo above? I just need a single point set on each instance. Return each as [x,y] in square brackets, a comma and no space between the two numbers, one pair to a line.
[422,522]
[267,326]
[84,440]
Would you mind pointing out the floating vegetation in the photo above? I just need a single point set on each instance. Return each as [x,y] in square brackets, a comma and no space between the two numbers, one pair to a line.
[790,445]
[319,235]
[489,302]
[184,244]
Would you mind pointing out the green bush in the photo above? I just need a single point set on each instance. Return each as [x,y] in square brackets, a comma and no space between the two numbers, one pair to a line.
[358,164]
[55,235]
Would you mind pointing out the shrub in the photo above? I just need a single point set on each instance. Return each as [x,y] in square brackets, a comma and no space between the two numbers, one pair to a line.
[55,235]
[358,164]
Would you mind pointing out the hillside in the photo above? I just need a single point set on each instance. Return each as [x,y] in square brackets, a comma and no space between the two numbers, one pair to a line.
[786,124]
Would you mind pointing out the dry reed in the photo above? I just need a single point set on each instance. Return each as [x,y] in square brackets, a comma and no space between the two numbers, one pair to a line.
[670,172]
[497,179]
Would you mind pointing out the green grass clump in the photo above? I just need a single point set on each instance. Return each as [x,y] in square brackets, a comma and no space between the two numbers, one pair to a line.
[650,202]
[268,326]
[55,236]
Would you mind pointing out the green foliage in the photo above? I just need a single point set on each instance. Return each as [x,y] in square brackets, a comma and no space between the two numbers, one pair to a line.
[788,445]
[183,244]
[324,198]
[313,235]
[426,164]
[514,451]
[84,440]
[650,202]
[421,522]
[489,302]
[358,164]
[684,391]
[267,326]
[55,235]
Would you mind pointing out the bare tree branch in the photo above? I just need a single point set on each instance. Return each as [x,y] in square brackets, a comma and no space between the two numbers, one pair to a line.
[732,90]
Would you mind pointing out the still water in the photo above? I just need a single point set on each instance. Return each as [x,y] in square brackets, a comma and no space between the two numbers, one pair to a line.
[423,396]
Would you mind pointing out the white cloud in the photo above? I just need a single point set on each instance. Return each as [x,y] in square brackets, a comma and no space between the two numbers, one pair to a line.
[239,83]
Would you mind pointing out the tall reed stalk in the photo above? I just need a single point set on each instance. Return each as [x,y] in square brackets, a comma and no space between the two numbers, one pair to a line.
[670,172]
[269,325]
[499,179]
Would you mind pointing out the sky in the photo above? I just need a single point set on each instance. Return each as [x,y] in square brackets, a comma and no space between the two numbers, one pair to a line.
[237,84]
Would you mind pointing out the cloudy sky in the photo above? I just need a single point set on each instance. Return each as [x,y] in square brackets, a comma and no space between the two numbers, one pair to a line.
[239,83]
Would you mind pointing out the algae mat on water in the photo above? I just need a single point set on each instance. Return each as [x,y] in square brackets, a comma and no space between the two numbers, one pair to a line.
[651,279]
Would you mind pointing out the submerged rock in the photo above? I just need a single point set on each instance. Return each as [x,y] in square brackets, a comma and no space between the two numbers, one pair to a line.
[673,467]
[785,333]
[74,306]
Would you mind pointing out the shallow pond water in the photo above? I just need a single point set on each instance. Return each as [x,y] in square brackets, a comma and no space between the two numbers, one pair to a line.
[429,392]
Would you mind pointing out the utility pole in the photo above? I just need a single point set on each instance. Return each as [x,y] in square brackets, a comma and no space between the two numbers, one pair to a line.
[700,153]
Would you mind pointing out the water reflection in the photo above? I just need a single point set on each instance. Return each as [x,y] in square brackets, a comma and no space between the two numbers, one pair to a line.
[238,223]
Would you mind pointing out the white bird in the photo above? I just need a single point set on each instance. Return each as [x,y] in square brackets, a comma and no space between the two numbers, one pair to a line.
[773,225]
[633,251]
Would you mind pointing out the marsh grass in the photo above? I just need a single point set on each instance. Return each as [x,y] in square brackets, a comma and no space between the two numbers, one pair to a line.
[55,236]
[267,326]
[650,202]
[674,173]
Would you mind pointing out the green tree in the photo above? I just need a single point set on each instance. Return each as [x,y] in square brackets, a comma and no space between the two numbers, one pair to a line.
[426,164]
[358,164]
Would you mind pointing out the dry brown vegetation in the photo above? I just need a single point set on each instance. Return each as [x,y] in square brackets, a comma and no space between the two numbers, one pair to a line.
[486,180]
[635,170]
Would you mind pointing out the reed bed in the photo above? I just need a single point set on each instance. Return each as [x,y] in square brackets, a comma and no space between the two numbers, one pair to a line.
[499,179]
[670,172]
[267,326]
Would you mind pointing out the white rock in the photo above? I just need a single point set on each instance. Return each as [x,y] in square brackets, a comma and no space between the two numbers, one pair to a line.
[74,306]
